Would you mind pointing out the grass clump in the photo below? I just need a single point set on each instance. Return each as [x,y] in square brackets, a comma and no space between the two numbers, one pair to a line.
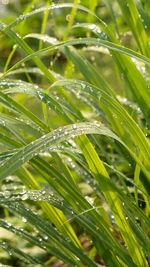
[75,153]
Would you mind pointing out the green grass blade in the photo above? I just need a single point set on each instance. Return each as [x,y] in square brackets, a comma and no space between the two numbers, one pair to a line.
[49,140]
[133,18]
[137,135]
[12,104]
[18,253]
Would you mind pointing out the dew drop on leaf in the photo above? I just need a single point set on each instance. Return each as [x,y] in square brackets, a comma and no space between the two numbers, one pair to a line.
[24,197]
[24,220]
[68,17]
[74,126]
[45,237]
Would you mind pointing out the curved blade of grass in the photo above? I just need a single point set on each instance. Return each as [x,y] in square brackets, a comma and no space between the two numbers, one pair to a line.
[23,234]
[97,234]
[24,17]
[51,7]
[74,194]
[98,169]
[14,86]
[48,246]
[27,70]
[142,89]
[59,135]
[133,18]
[42,37]
[49,140]
[46,228]
[18,253]
[24,46]
[142,98]
[91,75]
[13,105]
[97,95]
[140,83]
[53,214]
[87,41]
[74,200]
[89,72]
[56,215]
[129,124]
[16,125]
[46,172]
[29,182]
[137,135]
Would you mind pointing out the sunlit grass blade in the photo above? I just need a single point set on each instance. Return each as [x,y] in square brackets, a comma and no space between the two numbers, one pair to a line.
[118,110]
[51,139]
[89,41]
[61,134]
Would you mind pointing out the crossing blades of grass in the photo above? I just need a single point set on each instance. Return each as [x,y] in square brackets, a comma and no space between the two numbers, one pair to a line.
[59,135]
[78,186]
[117,110]
[49,140]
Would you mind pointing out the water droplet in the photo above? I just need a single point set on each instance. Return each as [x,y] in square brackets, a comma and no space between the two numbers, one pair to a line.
[24,220]
[45,237]
[7,194]
[68,17]
[24,197]
[74,126]
[83,85]
[40,95]
[66,132]
[9,224]
[43,136]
